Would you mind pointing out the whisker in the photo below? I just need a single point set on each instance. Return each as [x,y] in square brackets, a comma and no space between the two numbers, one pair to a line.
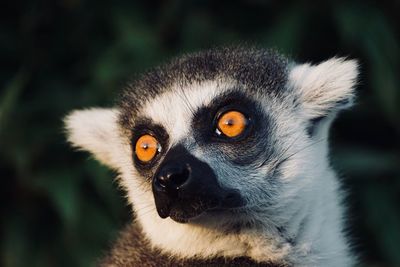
[148,212]
[186,101]
[282,153]
[144,208]
[276,165]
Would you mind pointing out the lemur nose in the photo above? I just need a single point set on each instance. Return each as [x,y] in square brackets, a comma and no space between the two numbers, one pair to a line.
[172,176]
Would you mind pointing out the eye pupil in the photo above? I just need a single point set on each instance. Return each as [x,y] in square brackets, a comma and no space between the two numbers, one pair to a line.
[229,122]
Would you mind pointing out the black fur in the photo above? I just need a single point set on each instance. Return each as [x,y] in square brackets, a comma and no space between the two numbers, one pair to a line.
[313,125]
[241,150]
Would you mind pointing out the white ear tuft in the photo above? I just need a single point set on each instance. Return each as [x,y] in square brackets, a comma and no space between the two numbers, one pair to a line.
[325,87]
[95,130]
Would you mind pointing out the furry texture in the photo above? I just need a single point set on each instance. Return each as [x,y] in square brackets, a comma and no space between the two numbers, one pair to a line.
[293,214]
[133,249]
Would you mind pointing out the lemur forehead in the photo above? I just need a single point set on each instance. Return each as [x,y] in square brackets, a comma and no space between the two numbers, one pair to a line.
[256,70]
[174,109]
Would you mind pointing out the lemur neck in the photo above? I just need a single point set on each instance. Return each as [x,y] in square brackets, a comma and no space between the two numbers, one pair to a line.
[313,226]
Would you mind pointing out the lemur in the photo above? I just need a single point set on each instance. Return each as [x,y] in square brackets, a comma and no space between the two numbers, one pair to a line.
[223,155]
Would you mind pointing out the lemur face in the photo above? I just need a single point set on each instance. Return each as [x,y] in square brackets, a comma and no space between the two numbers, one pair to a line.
[203,150]
[224,136]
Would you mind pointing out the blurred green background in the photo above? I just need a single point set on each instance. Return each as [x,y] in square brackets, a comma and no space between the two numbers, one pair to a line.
[61,208]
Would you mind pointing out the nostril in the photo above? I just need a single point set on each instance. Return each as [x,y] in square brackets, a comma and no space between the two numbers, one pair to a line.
[172,177]
[179,178]
[162,180]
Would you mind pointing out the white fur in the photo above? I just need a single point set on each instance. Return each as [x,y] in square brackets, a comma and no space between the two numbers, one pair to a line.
[95,130]
[174,108]
[325,84]
[308,204]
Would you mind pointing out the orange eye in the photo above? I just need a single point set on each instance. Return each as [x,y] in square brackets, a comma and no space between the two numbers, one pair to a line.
[231,123]
[146,148]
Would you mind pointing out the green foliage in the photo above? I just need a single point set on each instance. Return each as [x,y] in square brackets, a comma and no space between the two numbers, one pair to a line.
[59,209]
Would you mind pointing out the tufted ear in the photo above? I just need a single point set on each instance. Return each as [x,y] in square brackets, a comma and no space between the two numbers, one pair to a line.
[325,88]
[95,130]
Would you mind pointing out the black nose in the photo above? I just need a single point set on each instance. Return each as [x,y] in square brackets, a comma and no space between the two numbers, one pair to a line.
[184,187]
[172,176]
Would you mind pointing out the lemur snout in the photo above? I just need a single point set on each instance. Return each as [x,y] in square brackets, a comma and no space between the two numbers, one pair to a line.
[184,187]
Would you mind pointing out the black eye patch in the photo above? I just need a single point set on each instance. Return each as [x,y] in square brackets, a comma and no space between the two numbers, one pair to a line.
[246,147]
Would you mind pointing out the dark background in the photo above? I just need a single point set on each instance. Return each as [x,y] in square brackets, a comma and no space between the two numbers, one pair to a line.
[59,208]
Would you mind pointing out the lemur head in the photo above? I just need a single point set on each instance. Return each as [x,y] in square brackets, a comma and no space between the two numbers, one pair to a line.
[225,137]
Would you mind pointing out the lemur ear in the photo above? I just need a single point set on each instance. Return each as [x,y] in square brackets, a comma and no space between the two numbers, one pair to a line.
[326,87]
[95,130]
